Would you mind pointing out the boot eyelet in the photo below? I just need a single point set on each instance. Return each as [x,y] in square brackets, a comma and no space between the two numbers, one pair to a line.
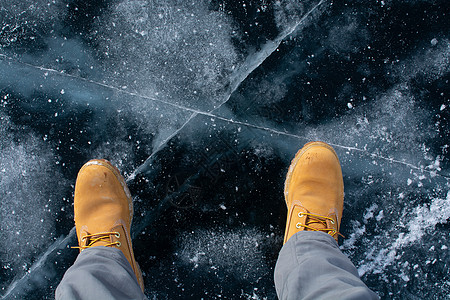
[117,234]
[83,239]
[300,214]
[118,244]
[332,222]
[298,225]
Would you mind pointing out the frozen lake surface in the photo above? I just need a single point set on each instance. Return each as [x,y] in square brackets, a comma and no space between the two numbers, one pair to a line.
[202,105]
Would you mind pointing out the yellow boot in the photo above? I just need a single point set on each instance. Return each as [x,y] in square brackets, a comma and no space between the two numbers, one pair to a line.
[104,210]
[314,191]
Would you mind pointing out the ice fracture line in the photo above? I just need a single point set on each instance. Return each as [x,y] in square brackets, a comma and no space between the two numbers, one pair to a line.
[251,63]
[63,74]
[196,112]
[256,59]
[348,148]
[19,283]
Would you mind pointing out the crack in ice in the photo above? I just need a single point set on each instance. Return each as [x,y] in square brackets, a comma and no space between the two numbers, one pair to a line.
[58,244]
[251,63]
[196,112]
[160,146]
[254,61]
[62,73]
[348,148]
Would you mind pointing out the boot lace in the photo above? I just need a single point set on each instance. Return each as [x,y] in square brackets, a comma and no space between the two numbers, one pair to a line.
[317,219]
[97,237]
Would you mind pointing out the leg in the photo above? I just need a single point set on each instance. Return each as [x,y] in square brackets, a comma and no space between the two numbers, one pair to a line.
[310,264]
[105,267]
[100,273]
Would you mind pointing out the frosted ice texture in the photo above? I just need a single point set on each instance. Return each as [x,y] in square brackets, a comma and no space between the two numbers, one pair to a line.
[202,105]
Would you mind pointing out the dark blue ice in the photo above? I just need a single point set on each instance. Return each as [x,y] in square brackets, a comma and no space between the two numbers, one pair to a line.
[202,104]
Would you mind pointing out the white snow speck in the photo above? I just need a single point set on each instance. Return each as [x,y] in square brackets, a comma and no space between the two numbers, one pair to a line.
[379,216]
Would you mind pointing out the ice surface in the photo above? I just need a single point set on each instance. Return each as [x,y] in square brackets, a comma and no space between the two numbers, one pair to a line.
[202,104]
[30,207]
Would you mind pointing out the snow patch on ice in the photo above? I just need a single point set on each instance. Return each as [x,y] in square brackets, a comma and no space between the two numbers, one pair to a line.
[30,187]
[370,212]
[424,218]
[180,50]
[235,252]
[358,231]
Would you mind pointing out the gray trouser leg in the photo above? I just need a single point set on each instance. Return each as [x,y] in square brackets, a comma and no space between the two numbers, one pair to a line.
[311,266]
[100,273]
